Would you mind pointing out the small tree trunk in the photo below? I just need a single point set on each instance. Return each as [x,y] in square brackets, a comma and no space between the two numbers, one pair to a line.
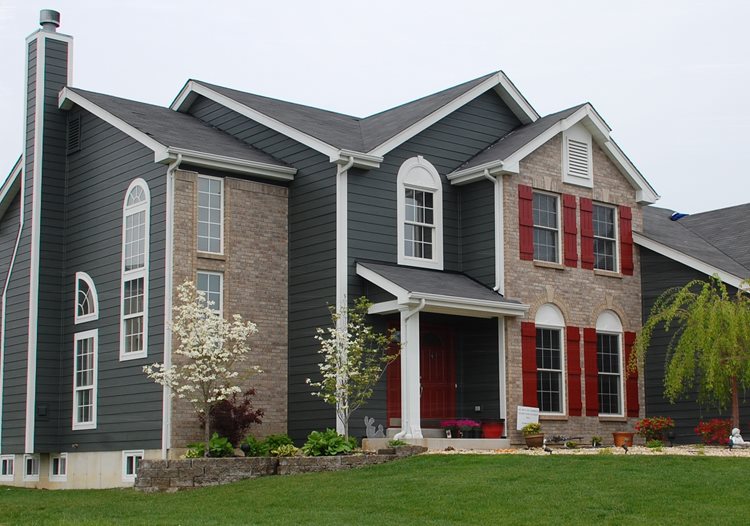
[207,429]
[735,403]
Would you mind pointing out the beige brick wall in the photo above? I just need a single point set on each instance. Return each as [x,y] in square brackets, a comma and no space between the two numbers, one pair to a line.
[254,265]
[580,294]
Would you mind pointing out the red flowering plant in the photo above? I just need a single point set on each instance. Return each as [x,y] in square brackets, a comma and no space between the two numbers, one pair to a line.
[467,423]
[654,428]
[715,431]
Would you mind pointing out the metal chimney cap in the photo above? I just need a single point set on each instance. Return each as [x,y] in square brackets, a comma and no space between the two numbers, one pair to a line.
[49,19]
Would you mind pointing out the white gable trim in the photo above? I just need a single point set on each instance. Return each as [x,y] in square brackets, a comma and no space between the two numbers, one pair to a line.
[687,260]
[599,129]
[505,88]
[10,187]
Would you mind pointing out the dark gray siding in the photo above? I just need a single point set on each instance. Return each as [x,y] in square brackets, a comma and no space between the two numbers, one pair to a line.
[17,298]
[129,404]
[312,255]
[447,144]
[477,202]
[659,274]
[49,334]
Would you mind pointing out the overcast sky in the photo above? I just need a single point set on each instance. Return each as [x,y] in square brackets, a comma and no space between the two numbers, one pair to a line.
[670,77]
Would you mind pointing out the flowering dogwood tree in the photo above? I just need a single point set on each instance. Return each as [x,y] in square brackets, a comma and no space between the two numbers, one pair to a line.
[210,348]
[354,359]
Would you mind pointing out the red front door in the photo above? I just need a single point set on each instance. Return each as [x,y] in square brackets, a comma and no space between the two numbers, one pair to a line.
[437,365]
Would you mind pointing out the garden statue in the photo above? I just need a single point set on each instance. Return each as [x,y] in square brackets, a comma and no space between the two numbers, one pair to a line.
[735,440]
[370,428]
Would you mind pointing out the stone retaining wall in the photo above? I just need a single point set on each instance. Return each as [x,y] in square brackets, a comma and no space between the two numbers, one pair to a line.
[174,475]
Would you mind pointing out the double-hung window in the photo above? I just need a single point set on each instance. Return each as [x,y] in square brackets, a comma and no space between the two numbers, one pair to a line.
[546,227]
[610,377]
[135,259]
[210,214]
[210,284]
[85,379]
[550,392]
[605,238]
[419,214]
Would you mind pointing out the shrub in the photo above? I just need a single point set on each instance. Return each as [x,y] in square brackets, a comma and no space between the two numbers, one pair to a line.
[217,447]
[570,444]
[654,428]
[285,450]
[253,447]
[276,441]
[715,431]
[397,443]
[328,443]
[596,441]
[655,444]
[533,428]
[233,417]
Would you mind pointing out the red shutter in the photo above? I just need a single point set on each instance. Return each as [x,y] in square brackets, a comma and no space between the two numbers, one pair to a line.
[573,335]
[570,229]
[591,372]
[526,222]
[587,233]
[631,382]
[626,240]
[528,363]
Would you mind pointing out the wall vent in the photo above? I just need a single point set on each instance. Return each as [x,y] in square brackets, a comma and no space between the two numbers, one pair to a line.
[578,158]
[74,134]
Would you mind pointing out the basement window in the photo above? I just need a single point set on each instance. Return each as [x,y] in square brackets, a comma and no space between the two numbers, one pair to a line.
[31,468]
[130,462]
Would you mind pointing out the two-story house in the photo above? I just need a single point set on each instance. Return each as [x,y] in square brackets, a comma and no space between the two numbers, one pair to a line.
[497,242]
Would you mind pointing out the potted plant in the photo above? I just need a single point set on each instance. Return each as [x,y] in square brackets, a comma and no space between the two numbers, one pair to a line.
[596,441]
[451,428]
[533,434]
[469,428]
[623,438]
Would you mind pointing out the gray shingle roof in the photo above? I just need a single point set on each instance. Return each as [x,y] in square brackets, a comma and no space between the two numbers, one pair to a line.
[345,131]
[720,238]
[517,139]
[178,130]
[417,280]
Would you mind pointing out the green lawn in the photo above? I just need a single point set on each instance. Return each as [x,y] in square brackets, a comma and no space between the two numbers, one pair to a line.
[432,489]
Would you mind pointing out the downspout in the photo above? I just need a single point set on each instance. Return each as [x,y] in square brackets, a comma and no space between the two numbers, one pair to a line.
[405,392]
[166,428]
[342,259]
[499,228]
[5,296]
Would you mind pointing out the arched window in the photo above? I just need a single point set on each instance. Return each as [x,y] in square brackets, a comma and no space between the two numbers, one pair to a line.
[550,361]
[420,214]
[87,303]
[609,363]
[135,252]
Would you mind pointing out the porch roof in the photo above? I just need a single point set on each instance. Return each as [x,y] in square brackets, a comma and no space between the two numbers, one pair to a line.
[441,291]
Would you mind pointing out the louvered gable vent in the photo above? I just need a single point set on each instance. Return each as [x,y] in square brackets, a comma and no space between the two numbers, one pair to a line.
[578,158]
[74,134]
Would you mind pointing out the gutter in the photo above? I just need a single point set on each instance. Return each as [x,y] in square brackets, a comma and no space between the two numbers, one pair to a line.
[499,230]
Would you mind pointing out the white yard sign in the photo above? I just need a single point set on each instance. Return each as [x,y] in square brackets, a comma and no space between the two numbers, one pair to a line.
[526,415]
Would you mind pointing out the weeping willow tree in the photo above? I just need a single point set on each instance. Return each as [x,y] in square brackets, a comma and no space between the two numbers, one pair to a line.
[710,345]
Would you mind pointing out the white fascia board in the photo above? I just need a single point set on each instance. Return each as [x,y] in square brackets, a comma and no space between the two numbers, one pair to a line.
[385,307]
[232,164]
[499,79]
[685,259]
[10,187]
[515,100]
[494,308]
[361,160]
[469,175]
[194,88]
[645,194]
[376,279]
[68,97]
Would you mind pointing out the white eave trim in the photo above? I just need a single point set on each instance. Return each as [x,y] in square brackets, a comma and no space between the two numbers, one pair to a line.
[435,302]
[687,260]
[232,164]
[361,160]
[600,131]
[11,186]
[505,88]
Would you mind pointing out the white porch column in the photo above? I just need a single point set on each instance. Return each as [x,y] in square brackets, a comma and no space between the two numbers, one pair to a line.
[502,401]
[411,426]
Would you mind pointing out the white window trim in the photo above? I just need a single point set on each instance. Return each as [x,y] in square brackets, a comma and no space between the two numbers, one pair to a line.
[138,273]
[93,334]
[579,133]
[221,228]
[548,316]
[220,309]
[11,476]
[82,276]
[30,477]
[616,219]
[125,455]
[436,188]
[609,323]
[60,477]
[558,200]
